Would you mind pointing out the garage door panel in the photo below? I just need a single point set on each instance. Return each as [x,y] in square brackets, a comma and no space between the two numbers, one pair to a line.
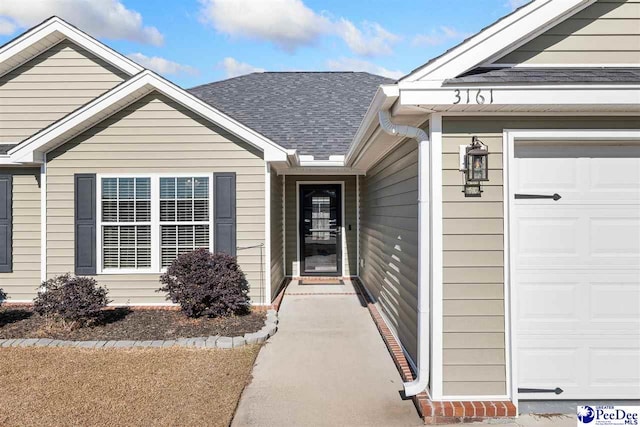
[611,367]
[609,370]
[544,305]
[576,270]
[615,237]
[566,236]
[580,173]
[577,302]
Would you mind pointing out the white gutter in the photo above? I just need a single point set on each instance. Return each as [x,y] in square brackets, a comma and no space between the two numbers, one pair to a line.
[424,183]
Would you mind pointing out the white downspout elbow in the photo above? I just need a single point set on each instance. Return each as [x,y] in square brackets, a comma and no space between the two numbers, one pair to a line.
[421,381]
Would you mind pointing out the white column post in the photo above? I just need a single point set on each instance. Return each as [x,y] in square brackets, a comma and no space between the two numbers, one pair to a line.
[436,261]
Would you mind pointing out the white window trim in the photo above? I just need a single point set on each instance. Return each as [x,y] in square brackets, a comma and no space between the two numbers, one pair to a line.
[155,219]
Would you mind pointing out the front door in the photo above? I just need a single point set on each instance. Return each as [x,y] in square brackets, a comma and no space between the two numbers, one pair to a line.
[320,230]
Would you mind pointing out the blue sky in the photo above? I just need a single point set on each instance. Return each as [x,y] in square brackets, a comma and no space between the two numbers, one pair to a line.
[198,41]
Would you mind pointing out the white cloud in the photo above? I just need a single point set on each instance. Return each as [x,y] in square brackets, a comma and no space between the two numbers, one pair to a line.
[290,24]
[514,4]
[287,23]
[233,68]
[100,18]
[354,64]
[6,27]
[372,40]
[439,36]
[162,65]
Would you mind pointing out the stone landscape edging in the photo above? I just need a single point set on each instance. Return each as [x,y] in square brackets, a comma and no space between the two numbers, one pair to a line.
[268,330]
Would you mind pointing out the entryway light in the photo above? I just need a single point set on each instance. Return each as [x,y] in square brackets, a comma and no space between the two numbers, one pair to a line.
[477,161]
[472,189]
[474,163]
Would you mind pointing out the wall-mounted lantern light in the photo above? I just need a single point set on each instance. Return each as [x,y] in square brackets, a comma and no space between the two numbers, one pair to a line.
[472,189]
[477,161]
[474,162]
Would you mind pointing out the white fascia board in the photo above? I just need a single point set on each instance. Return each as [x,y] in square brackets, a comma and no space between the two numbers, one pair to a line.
[143,83]
[575,134]
[385,97]
[559,95]
[6,161]
[500,38]
[55,24]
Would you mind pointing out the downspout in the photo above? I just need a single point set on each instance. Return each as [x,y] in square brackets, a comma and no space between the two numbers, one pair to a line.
[424,161]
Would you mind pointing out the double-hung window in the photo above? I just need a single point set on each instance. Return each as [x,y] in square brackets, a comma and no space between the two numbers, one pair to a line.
[126,223]
[147,221]
[184,216]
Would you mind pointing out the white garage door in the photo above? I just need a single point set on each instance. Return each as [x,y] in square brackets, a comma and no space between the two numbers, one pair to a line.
[576,270]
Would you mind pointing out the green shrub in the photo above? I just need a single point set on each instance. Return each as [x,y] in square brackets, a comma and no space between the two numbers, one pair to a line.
[3,296]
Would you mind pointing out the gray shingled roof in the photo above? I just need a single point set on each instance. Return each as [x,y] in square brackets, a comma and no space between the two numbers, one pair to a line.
[4,148]
[316,113]
[549,76]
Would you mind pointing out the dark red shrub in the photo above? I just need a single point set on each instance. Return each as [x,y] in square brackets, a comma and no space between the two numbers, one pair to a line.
[71,299]
[206,284]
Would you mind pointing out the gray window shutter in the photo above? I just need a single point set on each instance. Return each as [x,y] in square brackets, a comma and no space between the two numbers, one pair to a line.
[224,220]
[6,216]
[85,224]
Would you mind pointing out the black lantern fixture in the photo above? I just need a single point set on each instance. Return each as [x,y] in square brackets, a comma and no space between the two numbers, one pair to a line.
[472,189]
[477,161]
[474,162]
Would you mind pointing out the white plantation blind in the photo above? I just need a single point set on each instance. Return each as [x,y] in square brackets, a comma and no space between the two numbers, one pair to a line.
[184,216]
[126,223]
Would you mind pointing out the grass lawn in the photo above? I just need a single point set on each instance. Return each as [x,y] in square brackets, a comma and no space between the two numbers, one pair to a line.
[174,386]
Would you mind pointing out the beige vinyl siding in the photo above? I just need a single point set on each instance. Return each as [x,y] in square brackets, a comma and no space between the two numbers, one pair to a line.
[607,32]
[22,283]
[349,253]
[473,240]
[389,240]
[277,252]
[49,86]
[155,135]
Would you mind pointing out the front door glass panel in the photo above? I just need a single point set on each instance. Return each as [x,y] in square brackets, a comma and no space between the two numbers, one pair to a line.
[320,229]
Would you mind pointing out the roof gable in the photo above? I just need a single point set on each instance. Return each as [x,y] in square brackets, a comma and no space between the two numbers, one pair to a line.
[607,33]
[497,40]
[32,150]
[51,32]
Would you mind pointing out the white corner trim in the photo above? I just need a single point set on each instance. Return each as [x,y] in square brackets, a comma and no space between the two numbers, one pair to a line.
[125,93]
[267,233]
[510,136]
[43,220]
[284,226]
[437,329]
[358,226]
[498,39]
[47,29]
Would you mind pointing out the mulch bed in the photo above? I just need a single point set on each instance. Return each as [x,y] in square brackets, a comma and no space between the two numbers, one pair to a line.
[126,324]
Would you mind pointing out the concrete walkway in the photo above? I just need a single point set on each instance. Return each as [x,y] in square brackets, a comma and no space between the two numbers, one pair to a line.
[326,366]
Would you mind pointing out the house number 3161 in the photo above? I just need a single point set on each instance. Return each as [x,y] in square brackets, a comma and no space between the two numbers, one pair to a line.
[467,97]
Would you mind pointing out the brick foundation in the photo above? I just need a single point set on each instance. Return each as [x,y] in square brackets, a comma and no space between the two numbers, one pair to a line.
[435,412]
